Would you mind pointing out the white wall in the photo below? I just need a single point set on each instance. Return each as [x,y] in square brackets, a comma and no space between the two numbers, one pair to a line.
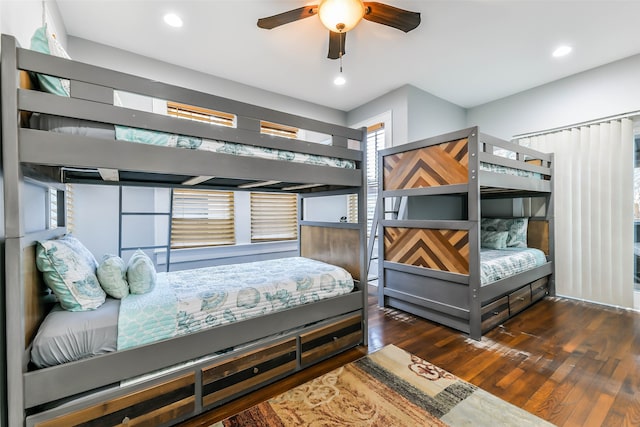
[128,62]
[605,91]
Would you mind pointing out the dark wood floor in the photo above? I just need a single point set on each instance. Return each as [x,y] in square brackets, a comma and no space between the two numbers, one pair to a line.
[569,362]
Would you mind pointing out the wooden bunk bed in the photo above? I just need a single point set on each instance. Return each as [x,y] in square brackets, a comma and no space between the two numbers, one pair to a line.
[177,378]
[431,266]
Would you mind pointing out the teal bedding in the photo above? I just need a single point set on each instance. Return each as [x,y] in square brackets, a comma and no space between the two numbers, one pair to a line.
[490,167]
[496,264]
[188,301]
[143,136]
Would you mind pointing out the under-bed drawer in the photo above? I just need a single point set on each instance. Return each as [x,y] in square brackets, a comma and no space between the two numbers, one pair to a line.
[519,300]
[495,313]
[152,406]
[330,339]
[246,372]
[539,289]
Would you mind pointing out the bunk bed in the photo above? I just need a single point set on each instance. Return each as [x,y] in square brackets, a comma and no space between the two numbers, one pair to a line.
[165,382]
[439,267]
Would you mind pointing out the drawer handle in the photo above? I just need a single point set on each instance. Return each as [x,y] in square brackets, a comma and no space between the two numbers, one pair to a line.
[495,313]
[520,298]
[256,370]
[126,420]
[335,338]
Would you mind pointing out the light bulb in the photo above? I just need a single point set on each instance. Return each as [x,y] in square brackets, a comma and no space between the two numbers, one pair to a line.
[339,80]
[340,16]
[173,20]
[562,51]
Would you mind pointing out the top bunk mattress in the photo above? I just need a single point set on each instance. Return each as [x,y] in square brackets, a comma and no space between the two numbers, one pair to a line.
[142,136]
[184,302]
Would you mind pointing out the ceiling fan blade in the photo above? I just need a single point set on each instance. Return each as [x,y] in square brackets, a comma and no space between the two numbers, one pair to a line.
[336,44]
[392,16]
[287,17]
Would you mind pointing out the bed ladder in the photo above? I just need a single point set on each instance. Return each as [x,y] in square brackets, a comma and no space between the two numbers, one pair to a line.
[399,206]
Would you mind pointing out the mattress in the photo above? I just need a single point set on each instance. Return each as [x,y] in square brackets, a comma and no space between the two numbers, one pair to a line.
[490,167]
[184,302]
[497,264]
[142,136]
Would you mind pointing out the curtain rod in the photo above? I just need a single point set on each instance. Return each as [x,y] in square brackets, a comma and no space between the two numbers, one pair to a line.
[580,124]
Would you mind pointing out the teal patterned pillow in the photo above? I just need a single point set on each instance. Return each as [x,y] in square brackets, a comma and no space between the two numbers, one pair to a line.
[141,274]
[112,274]
[493,239]
[516,227]
[44,42]
[69,269]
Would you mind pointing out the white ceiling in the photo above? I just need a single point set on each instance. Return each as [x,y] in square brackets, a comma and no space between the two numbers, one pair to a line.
[468,52]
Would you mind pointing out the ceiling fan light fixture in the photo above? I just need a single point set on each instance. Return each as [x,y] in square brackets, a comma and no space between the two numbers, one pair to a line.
[340,15]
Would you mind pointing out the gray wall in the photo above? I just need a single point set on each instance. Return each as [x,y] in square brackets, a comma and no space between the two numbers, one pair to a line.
[605,91]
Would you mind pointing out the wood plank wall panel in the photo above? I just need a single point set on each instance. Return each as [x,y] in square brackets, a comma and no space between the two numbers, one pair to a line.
[444,250]
[441,164]
[538,235]
[34,290]
[337,246]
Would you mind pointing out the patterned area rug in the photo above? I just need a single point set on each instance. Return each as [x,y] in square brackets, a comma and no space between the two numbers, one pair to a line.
[387,388]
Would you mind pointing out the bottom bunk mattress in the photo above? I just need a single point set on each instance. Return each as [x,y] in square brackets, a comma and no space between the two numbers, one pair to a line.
[184,302]
[497,264]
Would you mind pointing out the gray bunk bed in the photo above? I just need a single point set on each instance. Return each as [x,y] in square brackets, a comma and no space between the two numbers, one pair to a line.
[436,265]
[165,382]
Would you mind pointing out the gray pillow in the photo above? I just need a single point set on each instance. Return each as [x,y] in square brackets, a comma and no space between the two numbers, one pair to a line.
[516,227]
[493,239]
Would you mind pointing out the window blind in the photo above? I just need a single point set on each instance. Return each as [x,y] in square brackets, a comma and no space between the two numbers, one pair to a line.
[202,218]
[199,114]
[375,143]
[274,216]
[276,129]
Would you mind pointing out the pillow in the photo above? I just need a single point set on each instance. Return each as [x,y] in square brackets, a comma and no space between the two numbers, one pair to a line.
[112,275]
[141,274]
[69,269]
[44,42]
[516,227]
[493,239]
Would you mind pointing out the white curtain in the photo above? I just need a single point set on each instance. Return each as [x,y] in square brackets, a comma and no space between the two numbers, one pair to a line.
[593,210]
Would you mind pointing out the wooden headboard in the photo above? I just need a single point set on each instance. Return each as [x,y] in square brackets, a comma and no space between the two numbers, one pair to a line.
[35,291]
[337,246]
[538,235]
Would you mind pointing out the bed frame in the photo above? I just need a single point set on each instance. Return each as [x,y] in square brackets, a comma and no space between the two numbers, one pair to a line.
[431,267]
[99,390]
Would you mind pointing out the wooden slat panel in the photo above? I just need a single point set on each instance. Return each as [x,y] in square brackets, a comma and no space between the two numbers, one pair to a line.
[519,300]
[165,408]
[442,164]
[495,313]
[444,250]
[327,340]
[538,235]
[337,246]
[250,362]
[34,288]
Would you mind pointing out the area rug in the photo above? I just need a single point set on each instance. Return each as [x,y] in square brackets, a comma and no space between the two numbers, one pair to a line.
[387,388]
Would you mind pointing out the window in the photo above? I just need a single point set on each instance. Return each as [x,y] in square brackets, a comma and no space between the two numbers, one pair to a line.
[199,114]
[375,143]
[202,218]
[274,216]
[53,208]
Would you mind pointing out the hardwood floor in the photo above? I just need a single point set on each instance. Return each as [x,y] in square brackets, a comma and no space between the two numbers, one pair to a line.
[572,363]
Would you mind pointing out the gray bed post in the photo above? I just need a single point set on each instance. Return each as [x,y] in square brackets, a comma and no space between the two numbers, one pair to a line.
[362,221]
[550,216]
[473,212]
[13,229]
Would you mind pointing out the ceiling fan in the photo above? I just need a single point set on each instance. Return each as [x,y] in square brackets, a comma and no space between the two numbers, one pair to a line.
[340,16]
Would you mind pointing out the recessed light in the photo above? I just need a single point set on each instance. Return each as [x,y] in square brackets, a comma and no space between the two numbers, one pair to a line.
[173,20]
[562,51]
[339,80]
